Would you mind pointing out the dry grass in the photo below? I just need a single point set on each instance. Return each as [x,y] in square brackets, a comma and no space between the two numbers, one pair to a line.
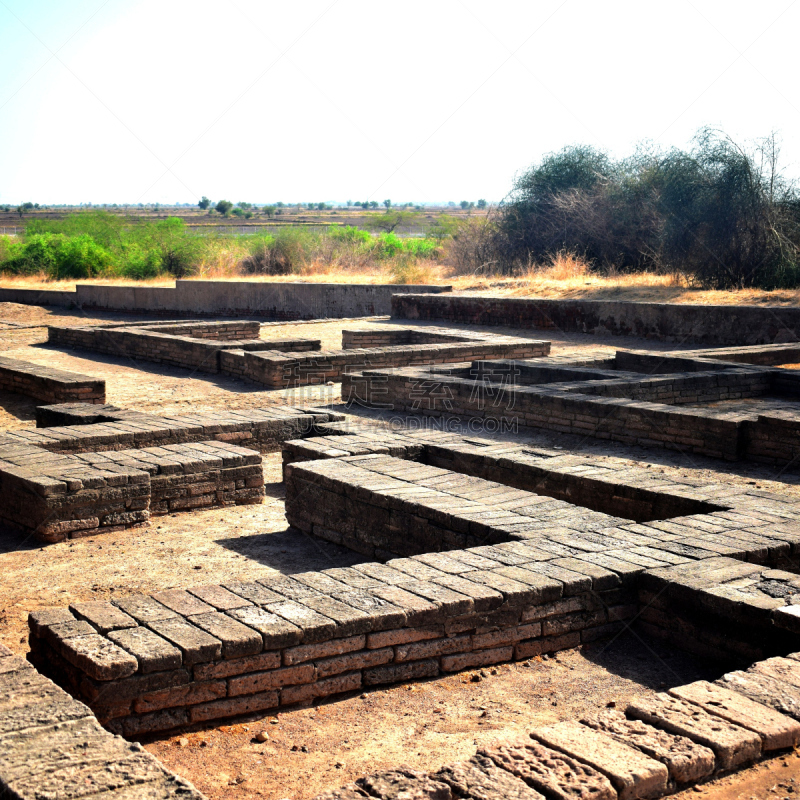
[564,277]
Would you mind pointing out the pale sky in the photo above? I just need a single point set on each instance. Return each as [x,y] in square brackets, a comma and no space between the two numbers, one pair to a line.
[132,101]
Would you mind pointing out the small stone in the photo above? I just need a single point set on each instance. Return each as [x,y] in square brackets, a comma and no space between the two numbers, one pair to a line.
[475,678]
[183,742]
[261,736]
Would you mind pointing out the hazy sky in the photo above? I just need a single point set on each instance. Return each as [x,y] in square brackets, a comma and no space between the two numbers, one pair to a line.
[141,101]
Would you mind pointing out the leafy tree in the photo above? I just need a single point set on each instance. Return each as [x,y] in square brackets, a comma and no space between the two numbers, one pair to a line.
[392,219]
[224,207]
[245,206]
[373,203]
[204,203]
[321,206]
[481,204]
[270,210]
[388,204]
[464,204]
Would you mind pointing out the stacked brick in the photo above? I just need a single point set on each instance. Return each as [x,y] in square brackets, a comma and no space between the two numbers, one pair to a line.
[638,409]
[52,746]
[78,480]
[280,370]
[176,657]
[84,494]
[193,346]
[383,337]
[49,384]
[656,745]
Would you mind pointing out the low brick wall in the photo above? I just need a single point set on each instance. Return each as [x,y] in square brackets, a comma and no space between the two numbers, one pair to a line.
[67,481]
[58,496]
[651,411]
[709,325]
[284,301]
[202,350]
[181,657]
[279,371]
[52,746]
[49,384]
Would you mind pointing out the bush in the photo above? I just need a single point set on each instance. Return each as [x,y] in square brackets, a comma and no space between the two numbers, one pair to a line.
[58,256]
[722,215]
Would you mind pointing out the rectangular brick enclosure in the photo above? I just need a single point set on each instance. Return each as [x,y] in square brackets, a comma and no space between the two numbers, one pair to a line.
[233,348]
[49,384]
[113,469]
[503,554]
[673,400]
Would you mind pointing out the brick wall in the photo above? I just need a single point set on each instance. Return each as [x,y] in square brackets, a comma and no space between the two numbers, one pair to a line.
[49,384]
[724,325]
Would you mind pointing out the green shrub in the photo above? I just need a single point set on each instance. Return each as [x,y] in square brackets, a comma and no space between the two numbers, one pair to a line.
[58,256]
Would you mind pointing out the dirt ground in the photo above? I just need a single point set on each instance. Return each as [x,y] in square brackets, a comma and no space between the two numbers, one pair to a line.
[309,750]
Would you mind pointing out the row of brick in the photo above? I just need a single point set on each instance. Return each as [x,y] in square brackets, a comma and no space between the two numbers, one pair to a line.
[657,744]
[49,384]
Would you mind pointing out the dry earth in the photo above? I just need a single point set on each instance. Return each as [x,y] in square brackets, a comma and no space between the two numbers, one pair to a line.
[313,749]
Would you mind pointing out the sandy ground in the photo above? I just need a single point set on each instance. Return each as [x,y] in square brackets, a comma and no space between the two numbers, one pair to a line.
[309,750]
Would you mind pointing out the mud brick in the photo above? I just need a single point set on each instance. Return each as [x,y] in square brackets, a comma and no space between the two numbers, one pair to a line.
[417,610]
[312,652]
[397,673]
[569,605]
[196,645]
[732,744]
[353,661]
[43,617]
[554,774]
[549,644]
[415,569]
[153,653]
[150,723]
[617,563]
[481,779]
[144,609]
[98,657]
[237,639]
[57,634]
[402,636]
[687,761]
[404,783]
[275,631]
[319,581]
[519,586]
[461,661]
[218,597]
[103,616]
[338,684]
[506,636]
[253,592]
[272,679]
[432,648]
[783,669]
[633,774]
[776,730]
[783,697]
[557,626]
[449,602]
[288,587]
[383,614]
[52,711]
[384,574]
[316,627]
[483,597]
[188,695]
[349,621]
[602,579]
[237,666]
[233,706]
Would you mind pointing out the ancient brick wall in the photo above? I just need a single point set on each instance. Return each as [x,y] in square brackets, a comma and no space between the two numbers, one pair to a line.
[49,384]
